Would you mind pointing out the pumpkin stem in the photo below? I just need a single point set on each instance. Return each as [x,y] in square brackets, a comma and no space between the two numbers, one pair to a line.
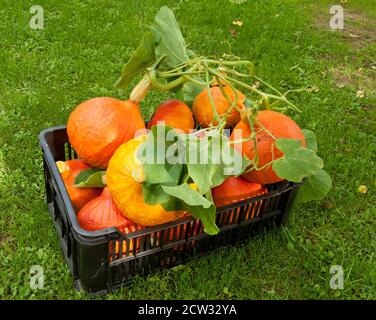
[140,90]
[246,113]
[62,166]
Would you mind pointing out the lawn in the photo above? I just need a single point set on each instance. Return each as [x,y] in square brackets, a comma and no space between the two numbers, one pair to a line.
[79,54]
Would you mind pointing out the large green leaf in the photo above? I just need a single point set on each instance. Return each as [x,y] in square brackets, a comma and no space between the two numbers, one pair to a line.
[157,168]
[315,187]
[143,57]
[297,162]
[187,199]
[166,181]
[90,178]
[212,166]
[310,139]
[170,39]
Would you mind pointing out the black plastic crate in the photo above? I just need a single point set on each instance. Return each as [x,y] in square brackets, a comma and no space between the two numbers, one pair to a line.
[103,260]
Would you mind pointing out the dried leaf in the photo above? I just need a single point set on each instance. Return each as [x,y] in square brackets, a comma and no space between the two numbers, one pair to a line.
[256,85]
[233,32]
[360,94]
[362,189]
[351,35]
[327,204]
[237,23]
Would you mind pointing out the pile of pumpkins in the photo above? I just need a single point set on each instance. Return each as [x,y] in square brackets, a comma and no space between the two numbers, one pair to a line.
[106,133]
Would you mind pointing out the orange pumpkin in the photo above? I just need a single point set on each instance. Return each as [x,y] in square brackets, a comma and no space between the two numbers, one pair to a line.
[203,111]
[79,196]
[280,126]
[101,213]
[175,114]
[124,179]
[97,127]
[235,189]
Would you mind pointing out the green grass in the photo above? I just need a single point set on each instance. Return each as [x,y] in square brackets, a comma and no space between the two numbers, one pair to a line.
[79,55]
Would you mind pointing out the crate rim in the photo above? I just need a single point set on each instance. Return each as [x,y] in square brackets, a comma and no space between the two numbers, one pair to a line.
[102,236]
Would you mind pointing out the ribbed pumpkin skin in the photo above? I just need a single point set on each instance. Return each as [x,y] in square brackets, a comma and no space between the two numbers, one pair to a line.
[281,126]
[97,127]
[235,189]
[127,192]
[203,111]
[101,213]
[175,114]
[79,196]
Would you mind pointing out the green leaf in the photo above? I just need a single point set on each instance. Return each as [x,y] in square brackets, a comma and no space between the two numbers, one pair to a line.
[190,91]
[154,194]
[213,163]
[157,168]
[310,139]
[158,171]
[187,199]
[216,160]
[297,162]
[90,178]
[207,217]
[162,173]
[315,187]
[188,195]
[170,39]
[143,57]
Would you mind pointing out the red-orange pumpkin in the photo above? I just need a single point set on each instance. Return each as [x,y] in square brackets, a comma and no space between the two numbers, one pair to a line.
[235,189]
[203,111]
[97,127]
[280,126]
[101,213]
[175,114]
[69,170]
